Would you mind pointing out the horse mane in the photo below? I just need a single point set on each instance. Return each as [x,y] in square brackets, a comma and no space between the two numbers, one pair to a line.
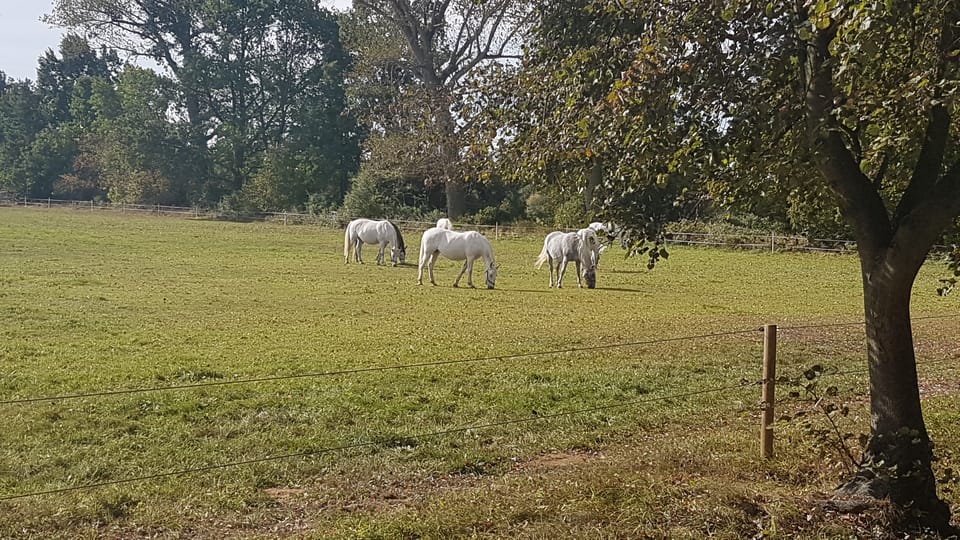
[400,245]
[585,249]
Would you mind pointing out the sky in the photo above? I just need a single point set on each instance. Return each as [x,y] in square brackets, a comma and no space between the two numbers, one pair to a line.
[24,38]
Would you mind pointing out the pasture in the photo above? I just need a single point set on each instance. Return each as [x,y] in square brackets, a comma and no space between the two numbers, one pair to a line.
[629,410]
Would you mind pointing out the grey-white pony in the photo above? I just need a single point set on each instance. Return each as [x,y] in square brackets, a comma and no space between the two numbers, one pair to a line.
[581,247]
[367,231]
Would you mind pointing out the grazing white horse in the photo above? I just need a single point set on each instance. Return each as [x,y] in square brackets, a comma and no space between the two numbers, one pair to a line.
[559,248]
[465,246]
[361,231]
[444,223]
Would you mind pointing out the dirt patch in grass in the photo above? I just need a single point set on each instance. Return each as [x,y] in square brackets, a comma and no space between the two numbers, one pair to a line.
[558,460]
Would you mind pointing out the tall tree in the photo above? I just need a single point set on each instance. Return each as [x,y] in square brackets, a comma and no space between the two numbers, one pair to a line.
[168,32]
[854,97]
[57,74]
[242,68]
[20,122]
[433,46]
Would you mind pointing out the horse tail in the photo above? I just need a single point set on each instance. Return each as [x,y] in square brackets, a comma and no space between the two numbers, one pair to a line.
[543,256]
[400,245]
[346,243]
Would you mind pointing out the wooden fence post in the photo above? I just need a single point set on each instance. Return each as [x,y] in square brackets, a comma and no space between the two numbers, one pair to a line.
[769,386]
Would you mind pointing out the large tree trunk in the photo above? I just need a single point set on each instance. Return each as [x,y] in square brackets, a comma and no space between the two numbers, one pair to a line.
[897,463]
[456,194]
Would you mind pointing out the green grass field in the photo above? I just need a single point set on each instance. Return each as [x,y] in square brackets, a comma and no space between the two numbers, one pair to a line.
[618,429]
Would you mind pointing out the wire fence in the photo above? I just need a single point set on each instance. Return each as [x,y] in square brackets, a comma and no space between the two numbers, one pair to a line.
[346,446]
[767,241]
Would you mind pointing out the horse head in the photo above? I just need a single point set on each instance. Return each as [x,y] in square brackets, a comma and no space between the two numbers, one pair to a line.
[398,248]
[491,274]
[590,276]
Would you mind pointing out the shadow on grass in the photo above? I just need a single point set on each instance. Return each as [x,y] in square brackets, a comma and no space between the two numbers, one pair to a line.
[621,289]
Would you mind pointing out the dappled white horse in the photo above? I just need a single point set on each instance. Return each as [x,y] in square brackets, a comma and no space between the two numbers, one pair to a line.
[444,223]
[559,248]
[459,246]
[367,231]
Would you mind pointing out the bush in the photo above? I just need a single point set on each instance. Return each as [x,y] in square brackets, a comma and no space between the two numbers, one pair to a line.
[540,208]
[365,197]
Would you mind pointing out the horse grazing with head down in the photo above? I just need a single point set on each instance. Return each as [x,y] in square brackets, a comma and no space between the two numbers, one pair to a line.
[465,246]
[581,247]
[367,231]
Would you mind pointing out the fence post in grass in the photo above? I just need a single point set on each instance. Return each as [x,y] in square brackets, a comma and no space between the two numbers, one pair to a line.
[769,385]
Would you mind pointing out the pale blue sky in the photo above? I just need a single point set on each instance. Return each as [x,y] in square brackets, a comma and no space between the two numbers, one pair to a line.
[23,38]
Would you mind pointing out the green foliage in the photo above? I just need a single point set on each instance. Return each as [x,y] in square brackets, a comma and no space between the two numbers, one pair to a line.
[368,195]
[540,208]
[953,265]
[814,213]
[824,416]
[256,86]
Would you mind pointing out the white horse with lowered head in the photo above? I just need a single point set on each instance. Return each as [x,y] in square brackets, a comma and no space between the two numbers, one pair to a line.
[559,248]
[367,231]
[465,246]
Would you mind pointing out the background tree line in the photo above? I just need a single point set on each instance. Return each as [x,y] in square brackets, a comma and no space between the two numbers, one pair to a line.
[247,109]
[384,110]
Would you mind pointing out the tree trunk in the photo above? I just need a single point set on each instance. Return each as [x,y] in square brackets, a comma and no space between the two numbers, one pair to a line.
[456,194]
[897,463]
[594,178]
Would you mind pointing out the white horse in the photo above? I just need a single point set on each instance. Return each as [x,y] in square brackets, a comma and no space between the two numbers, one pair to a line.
[465,246]
[580,247]
[444,223]
[361,231]
[607,232]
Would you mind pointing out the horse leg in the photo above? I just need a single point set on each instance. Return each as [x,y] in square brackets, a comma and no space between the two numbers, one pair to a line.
[433,259]
[469,266]
[356,251]
[380,255]
[423,260]
[562,271]
[463,270]
[579,283]
[550,266]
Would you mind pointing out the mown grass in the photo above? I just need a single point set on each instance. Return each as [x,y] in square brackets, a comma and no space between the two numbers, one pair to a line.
[94,303]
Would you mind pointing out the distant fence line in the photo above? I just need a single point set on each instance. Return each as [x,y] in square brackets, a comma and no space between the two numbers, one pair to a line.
[745,240]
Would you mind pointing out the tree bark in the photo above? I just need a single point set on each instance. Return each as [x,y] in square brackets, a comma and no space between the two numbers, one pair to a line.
[897,463]
[456,199]
[594,178]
